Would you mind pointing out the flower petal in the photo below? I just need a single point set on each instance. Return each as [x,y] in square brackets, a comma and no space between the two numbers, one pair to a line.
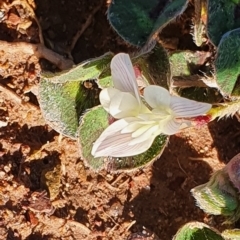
[113,143]
[157,96]
[147,134]
[170,126]
[140,131]
[106,95]
[109,132]
[183,107]
[131,127]
[123,74]
[134,126]
[124,105]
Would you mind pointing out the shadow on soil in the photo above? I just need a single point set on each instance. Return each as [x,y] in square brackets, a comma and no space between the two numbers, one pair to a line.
[168,195]
[167,200]
[226,137]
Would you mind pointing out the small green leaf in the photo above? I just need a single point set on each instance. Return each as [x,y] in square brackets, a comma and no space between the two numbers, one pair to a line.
[218,197]
[136,21]
[223,16]
[197,231]
[62,104]
[64,96]
[227,61]
[90,69]
[155,66]
[94,122]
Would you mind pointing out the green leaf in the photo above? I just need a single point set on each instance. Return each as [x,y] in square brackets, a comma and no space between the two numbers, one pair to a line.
[218,197]
[155,66]
[64,96]
[197,231]
[223,16]
[227,62]
[62,104]
[94,123]
[90,69]
[136,21]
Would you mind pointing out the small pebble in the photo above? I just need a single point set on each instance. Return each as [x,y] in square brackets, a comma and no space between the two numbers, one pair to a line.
[2,174]
[7,169]
[147,188]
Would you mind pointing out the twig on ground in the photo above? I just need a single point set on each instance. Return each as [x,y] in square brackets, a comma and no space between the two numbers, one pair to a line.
[38,50]
[119,177]
[130,225]
[117,224]
[78,225]
[11,95]
[84,27]
[112,229]
[192,81]
[181,167]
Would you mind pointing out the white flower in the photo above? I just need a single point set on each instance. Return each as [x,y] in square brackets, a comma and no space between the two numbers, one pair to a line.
[137,125]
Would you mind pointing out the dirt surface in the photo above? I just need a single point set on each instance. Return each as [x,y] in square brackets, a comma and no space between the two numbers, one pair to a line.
[79,203]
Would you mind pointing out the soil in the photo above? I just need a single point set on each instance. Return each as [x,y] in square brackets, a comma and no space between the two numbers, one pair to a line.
[153,201]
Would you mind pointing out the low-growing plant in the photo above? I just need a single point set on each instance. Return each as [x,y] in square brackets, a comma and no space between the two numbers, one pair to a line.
[123,108]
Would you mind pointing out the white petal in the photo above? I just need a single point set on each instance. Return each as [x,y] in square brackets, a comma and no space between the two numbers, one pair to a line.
[115,144]
[124,105]
[123,74]
[150,133]
[106,95]
[183,107]
[109,132]
[131,127]
[148,116]
[134,126]
[170,126]
[140,131]
[157,96]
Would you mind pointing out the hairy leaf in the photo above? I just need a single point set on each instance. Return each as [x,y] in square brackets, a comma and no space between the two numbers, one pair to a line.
[136,21]
[93,124]
[227,62]
[223,16]
[197,231]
